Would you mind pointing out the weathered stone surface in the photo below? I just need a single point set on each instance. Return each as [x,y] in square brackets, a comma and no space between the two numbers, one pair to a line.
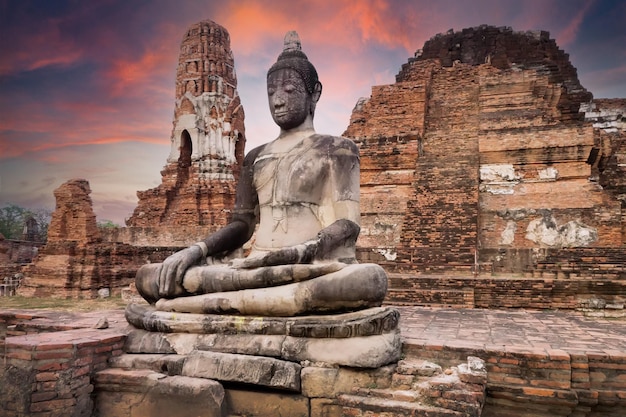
[357,286]
[267,372]
[372,321]
[163,363]
[208,140]
[361,352]
[418,367]
[144,393]
[141,341]
[318,382]
[339,339]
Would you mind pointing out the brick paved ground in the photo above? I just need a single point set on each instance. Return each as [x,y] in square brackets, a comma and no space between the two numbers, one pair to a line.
[517,330]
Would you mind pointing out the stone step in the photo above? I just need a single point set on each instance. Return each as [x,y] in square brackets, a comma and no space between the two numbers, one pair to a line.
[123,392]
[169,364]
[128,392]
[422,388]
[361,406]
[225,367]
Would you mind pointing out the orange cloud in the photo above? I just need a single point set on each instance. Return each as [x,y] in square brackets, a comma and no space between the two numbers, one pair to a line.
[340,24]
[152,64]
[377,22]
[9,150]
[39,48]
[568,35]
[251,24]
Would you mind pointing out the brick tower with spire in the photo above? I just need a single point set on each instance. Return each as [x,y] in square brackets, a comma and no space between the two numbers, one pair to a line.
[208,137]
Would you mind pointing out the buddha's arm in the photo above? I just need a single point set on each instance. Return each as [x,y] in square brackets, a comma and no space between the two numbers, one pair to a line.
[228,238]
[341,233]
[242,225]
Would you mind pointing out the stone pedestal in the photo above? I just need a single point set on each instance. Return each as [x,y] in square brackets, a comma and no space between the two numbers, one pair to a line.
[336,365]
[364,339]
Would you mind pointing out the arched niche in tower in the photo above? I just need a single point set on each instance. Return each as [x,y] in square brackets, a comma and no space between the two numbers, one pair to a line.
[239,148]
[184,160]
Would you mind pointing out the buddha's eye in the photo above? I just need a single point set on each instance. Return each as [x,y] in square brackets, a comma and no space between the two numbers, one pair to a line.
[289,88]
[271,91]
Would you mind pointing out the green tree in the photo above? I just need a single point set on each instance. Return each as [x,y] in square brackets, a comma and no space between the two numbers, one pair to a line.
[12,221]
[13,218]
[43,217]
[107,224]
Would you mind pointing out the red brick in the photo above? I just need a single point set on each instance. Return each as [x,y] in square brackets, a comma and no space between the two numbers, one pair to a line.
[47,376]
[52,405]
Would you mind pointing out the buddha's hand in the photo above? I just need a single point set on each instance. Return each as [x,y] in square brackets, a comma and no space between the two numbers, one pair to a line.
[174,267]
[298,254]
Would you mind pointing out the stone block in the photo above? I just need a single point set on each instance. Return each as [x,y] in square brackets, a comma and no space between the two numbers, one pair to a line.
[367,322]
[141,341]
[418,367]
[266,372]
[252,403]
[318,382]
[360,352]
[149,394]
[169,364]
[324,407]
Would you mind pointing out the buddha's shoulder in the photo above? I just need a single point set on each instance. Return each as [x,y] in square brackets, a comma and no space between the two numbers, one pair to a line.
[333,144]
[253,154]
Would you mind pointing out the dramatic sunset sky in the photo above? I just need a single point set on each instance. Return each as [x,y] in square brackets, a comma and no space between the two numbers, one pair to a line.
[87,87]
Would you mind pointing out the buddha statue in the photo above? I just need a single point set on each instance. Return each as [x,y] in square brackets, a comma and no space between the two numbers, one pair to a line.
[300,192]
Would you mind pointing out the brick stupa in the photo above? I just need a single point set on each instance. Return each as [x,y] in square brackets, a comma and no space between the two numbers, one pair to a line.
[480,159]
[208,137]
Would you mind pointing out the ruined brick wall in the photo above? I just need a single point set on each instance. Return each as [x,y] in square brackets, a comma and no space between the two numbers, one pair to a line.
[504,49]
[609,154]
[73,218]
[51,374]
[504,161]
[76,262]
[208,138]
[419,168]
[66,270]
[441,222]
[389,143]
[535,176]
[162,236]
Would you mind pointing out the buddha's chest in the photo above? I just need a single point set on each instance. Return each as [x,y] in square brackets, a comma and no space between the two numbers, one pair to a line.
[293,177]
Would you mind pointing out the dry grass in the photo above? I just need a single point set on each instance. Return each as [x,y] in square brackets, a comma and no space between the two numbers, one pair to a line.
[19,302]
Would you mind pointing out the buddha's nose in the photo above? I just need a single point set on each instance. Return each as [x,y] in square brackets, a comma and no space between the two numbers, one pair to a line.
[278,101]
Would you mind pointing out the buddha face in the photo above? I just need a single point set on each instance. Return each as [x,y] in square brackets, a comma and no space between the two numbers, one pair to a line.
[290,102]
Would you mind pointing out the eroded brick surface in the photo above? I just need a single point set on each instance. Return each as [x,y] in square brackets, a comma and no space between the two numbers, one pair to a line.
[486,150]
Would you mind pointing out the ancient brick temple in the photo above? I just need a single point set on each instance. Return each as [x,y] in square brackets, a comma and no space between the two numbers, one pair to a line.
[208,137]
[479,159]
[77,261]
[489,178]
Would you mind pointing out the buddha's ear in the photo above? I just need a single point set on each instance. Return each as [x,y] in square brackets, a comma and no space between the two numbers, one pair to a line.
[317,92]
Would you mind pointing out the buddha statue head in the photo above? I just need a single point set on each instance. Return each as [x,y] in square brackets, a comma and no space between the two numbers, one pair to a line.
[293,86]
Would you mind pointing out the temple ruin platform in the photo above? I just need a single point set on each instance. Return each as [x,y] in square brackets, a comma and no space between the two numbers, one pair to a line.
[546,362]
